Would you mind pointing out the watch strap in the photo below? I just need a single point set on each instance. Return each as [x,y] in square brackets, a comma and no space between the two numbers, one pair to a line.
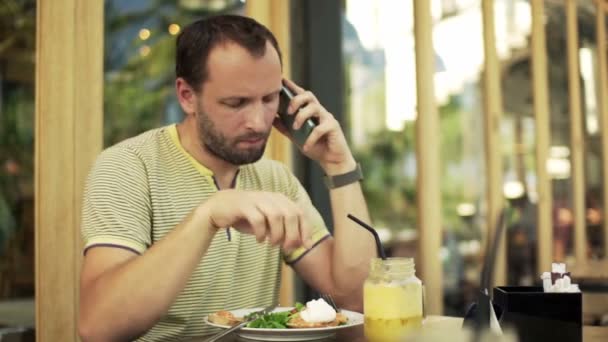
[343,179]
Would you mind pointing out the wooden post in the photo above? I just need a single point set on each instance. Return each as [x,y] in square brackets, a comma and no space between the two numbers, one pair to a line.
[493,112]
[274,14]
[603,108]
[542,130]
[69,102]
[577,139]
[427,153]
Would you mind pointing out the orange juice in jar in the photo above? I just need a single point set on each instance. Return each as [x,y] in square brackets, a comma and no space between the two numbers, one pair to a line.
[392,300]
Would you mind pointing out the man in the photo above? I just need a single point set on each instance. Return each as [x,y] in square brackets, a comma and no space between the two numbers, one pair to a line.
[188,219]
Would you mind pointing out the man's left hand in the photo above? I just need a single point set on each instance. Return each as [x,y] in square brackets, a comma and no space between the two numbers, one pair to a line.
[326,143]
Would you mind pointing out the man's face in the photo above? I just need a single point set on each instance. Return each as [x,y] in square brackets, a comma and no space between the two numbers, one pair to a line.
[238,102]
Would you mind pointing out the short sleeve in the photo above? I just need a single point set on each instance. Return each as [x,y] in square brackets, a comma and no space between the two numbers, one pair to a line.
[116,206]
[319,230]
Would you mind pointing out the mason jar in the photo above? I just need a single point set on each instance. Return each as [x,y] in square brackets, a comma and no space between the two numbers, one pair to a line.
[392,300]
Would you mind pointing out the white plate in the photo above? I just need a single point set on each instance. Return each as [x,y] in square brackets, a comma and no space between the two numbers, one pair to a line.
[300,334]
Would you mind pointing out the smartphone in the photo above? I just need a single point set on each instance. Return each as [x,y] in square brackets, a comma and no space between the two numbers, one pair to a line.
[300,135]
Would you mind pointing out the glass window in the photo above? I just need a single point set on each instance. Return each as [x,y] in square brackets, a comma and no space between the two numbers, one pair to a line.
[558,164]
[17,57]
[515,29]
[379,54]
[589,72]
[381,107]
[519,126]
[140,61]
[380,69]
[459,91]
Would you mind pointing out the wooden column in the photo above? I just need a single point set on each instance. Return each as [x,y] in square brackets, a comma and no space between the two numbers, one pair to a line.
[493,112]
[274,14]
[577,139]
[603,107]
[544,227]
[69,80]
[428,263]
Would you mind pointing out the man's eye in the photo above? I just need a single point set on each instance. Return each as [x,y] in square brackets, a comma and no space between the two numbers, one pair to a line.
[237,103]
[270,98]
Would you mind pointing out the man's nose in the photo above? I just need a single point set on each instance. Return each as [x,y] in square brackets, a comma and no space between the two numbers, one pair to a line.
[256,120]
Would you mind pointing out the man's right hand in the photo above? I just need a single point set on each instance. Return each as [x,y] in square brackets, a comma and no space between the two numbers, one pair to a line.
[266,215]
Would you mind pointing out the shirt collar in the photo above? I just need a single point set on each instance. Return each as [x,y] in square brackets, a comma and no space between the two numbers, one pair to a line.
[175,139]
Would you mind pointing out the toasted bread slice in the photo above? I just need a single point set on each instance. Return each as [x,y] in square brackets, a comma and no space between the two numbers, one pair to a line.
[224,318]
[296,322]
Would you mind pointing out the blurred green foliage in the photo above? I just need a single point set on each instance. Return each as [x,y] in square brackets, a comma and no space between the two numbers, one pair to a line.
[17,46]
[140,74]
[388,159]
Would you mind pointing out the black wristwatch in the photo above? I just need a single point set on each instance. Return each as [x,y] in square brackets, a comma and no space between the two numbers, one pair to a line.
[343,179]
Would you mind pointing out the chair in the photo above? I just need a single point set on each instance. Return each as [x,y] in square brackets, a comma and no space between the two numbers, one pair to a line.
[17,334]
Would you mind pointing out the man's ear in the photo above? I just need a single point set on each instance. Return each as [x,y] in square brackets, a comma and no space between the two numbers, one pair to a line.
[186,96]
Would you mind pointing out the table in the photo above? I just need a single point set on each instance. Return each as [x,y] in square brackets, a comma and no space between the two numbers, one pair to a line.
[591,270]
[355,334]
[592,275]
[450,325]
[18,312]
[592,278]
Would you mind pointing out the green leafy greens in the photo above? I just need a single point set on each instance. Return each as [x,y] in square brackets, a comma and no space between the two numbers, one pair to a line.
[275,320]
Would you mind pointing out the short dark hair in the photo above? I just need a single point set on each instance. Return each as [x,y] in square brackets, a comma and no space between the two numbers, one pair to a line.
[197,40]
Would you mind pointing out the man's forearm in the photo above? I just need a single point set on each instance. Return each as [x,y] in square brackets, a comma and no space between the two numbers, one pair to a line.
[126,301]
[353,245]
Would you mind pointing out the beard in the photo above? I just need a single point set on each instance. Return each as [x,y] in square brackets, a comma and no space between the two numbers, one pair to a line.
[225,148]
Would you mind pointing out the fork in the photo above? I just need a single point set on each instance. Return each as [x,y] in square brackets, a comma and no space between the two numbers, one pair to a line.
[329,299]
[252,317]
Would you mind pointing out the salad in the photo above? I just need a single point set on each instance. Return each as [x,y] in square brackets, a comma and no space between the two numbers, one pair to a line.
[315,314]
[275,320]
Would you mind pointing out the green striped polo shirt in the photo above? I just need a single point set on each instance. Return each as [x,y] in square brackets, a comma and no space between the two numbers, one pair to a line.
[141,188]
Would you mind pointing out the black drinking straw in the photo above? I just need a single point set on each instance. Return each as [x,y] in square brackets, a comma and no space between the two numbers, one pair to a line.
[373,231]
